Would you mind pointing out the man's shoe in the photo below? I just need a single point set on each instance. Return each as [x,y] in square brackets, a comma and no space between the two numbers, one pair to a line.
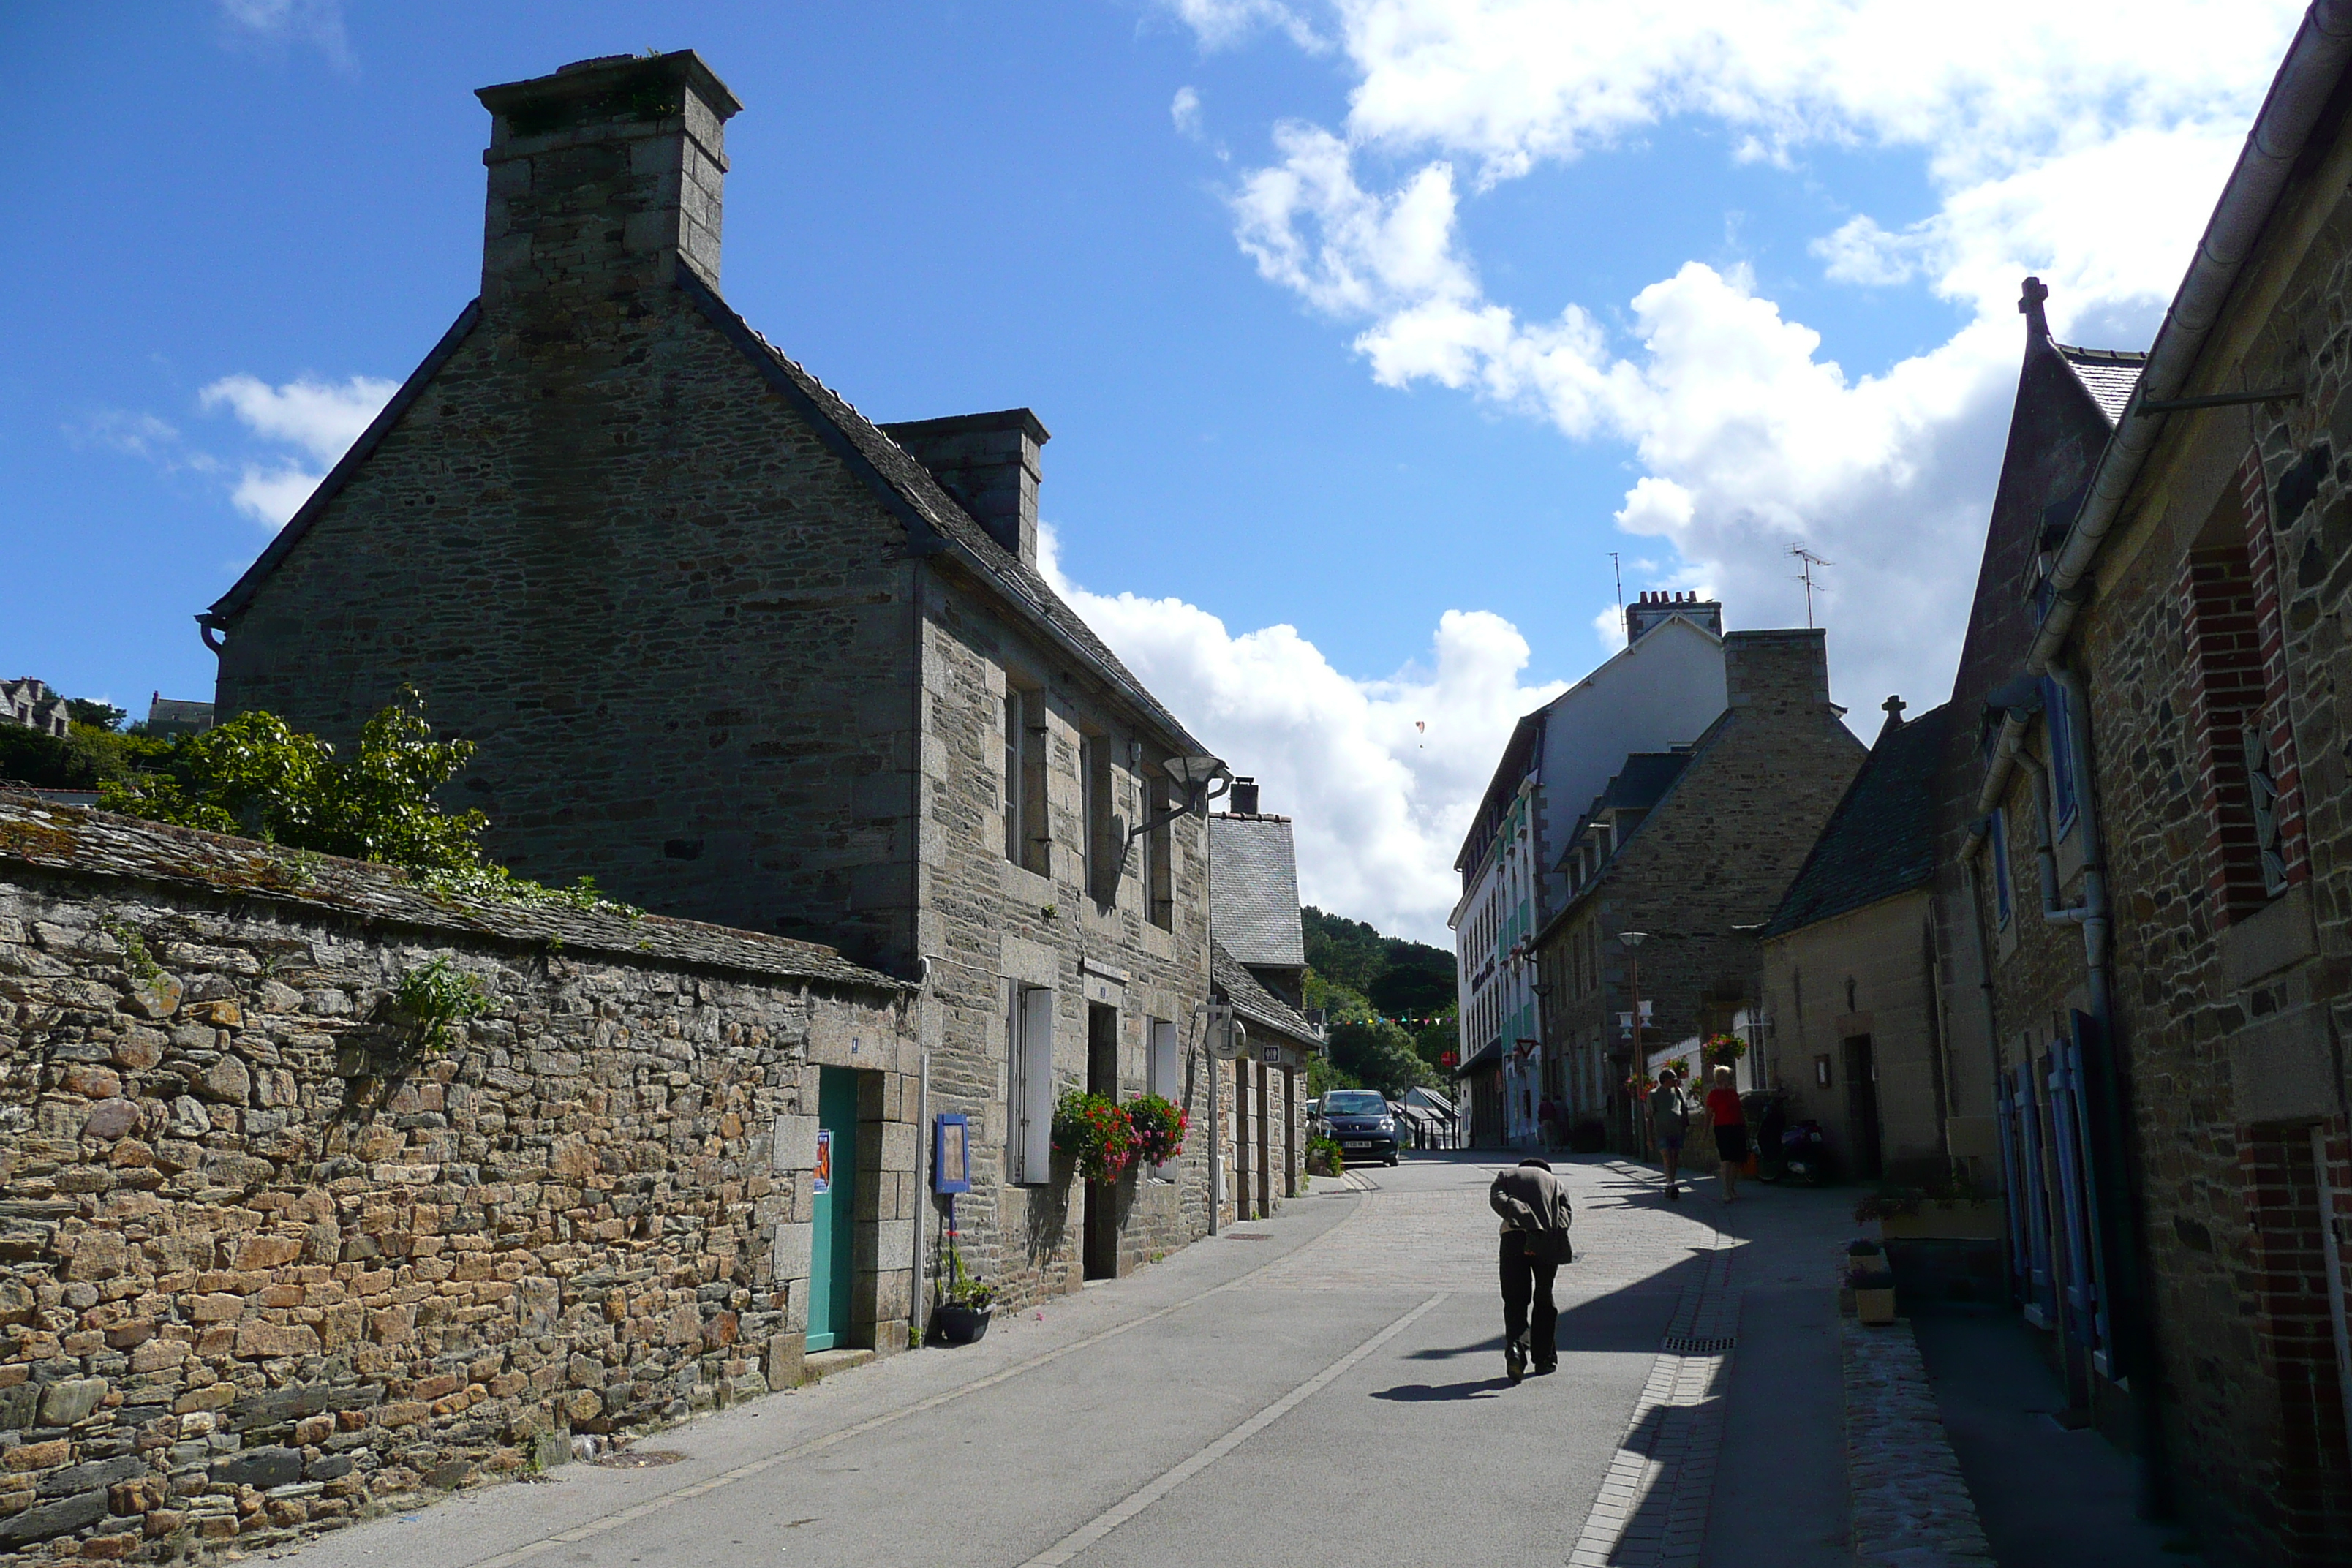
[1514,1363]
[1546,1368]
[1673,1193]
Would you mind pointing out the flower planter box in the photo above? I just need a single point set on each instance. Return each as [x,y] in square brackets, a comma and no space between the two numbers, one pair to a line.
[955,1325]
[1944,1220]
[1875,1307]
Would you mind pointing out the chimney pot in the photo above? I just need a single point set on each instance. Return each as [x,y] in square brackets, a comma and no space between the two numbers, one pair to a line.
[1243,801]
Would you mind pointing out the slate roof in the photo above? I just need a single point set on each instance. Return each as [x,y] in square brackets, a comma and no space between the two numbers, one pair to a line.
[2108,374]
[1256,1004]
[1254,891]
[904,485]
[1640,784]
[65,841]
[1881,840]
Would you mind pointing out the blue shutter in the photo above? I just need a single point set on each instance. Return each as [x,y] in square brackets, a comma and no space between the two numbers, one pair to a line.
[2059,724]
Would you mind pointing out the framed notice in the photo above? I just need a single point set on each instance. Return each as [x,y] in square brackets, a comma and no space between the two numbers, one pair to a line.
[952,1154]
[821,1176]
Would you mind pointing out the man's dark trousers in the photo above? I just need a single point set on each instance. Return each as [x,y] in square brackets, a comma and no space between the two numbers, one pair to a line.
[1522,1278]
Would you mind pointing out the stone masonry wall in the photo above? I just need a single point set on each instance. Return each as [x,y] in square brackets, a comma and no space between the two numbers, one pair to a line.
[267,1264]
[2233,1004]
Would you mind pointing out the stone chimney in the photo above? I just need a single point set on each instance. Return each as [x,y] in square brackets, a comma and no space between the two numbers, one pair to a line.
[1655,608]
[1243,798]
[991,463]
[1777,671]
[603,177]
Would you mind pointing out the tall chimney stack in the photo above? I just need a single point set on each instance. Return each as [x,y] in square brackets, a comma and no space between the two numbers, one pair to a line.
[603,177]
[1243,798]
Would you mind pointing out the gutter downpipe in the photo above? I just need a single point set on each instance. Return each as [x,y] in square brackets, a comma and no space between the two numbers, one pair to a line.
[2307,78]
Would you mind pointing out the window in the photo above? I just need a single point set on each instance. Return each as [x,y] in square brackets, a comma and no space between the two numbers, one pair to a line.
[2059,729]
[1029,1033]
[1100,831]
[1999,836]
[1160,1072]
[1028,837]
[1159,855]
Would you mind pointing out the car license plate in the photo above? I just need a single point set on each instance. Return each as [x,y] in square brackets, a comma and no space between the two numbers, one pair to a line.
[1357,1143]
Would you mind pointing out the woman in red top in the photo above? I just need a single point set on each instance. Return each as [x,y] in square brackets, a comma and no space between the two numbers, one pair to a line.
[1730,1130]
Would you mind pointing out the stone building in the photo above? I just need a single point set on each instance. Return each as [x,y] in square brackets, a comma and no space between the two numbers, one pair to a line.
[2166,757]
[1693,852]
[1660,691]
[1260,957]
[742,654]
[1853,1029]
[29,704]
[169,716]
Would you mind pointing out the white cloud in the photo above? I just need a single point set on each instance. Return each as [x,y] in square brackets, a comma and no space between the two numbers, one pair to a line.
[1380,806]
[1221,24]
[321,418]
[2083,142]
[1184,110]
[315,21]
[271,494]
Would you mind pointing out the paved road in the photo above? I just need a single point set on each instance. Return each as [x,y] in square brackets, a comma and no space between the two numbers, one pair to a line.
[1322,1387]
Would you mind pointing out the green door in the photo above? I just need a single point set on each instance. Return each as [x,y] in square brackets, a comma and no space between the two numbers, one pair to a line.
[831,1244]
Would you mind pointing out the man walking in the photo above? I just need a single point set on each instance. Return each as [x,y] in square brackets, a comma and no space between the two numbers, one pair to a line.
[1535,1216]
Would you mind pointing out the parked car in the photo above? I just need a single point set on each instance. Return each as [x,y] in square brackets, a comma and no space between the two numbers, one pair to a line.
[1362,1123]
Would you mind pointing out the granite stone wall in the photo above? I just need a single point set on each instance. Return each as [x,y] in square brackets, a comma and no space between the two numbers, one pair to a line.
[271,1259]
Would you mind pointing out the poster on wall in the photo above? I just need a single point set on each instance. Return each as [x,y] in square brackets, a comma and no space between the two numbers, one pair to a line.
[821,1177]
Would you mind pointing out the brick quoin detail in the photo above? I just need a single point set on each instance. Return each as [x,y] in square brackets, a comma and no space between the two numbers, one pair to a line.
[2262,558]
[2307,1473]
[2218,614]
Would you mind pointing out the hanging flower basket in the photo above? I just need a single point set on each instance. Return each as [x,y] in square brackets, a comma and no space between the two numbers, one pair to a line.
[1095,1131]
[1158,1127]
[1724,1050]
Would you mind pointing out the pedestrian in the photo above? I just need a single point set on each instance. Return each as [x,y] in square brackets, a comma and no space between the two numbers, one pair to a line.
[1669,1118]
[1535,1216]
[1730,1130]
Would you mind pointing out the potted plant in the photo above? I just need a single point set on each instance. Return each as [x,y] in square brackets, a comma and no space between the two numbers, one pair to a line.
[965,1304]
[1956,1210]
[1722,1051]
[1324,1159]
[1095,1131]
[1159,1126]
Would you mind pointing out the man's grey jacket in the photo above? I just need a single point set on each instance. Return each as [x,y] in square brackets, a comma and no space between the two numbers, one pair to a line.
[1530,1199]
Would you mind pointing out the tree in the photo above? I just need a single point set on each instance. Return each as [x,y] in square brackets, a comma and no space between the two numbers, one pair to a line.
[97,715]
[1378,1054]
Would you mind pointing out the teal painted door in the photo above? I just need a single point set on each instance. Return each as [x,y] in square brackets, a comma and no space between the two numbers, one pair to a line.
[833,1238]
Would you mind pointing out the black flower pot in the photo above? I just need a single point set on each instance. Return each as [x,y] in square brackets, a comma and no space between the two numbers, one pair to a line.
[956,1325]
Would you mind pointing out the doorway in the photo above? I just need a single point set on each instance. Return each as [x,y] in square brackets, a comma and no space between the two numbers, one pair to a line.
[1100,1236]
[1862,1107]
[832,1237]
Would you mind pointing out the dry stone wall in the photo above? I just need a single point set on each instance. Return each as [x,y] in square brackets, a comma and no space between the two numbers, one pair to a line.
[267,1262]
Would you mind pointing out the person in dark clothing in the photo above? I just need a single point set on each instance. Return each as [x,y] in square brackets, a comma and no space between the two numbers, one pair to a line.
[1535,1216]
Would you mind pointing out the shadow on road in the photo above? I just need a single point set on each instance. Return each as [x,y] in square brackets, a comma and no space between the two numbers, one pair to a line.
[1447,1352]
[1422,1393]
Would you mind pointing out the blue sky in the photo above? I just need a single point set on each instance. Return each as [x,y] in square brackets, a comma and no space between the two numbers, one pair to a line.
[1285,282]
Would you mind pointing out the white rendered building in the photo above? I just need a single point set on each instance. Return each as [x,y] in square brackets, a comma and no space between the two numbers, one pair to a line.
[1660,693]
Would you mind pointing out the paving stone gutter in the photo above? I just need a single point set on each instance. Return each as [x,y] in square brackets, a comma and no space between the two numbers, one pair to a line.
[1911,1506]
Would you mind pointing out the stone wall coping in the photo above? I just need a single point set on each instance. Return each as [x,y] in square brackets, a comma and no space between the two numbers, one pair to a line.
[80,842]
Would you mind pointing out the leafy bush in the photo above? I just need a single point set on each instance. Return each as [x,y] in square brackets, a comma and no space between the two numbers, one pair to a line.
[258,776]
[436,997]
[1324,1159]
[1095,1131]
[1159,1126]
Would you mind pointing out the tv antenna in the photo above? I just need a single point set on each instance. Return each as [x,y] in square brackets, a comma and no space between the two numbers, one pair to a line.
[1617,564]
[1805,575]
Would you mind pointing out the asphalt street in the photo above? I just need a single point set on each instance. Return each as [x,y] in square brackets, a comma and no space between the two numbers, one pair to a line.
[1326,1386]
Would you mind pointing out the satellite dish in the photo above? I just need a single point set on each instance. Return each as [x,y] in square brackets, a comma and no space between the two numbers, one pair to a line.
[1230,1043]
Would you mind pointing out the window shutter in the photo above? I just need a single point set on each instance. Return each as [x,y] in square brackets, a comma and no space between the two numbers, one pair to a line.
[1033,1086]
[1160,1075]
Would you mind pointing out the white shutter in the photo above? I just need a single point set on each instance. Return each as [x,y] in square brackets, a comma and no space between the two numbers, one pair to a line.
[1033,1085]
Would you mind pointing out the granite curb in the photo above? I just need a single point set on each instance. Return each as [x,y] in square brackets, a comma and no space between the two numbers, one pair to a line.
[1911,1506]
